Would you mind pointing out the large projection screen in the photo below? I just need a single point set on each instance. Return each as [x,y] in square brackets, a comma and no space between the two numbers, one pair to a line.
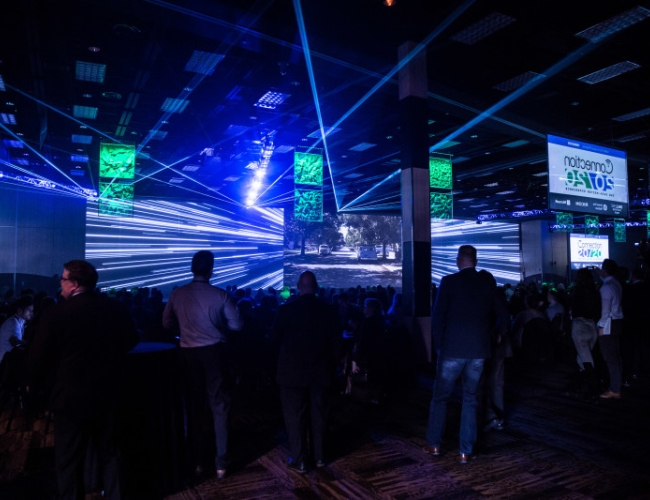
[586,178]
[497,245]
[154,247]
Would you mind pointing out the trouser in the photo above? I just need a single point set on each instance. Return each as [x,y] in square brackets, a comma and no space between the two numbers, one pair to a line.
[72,437]
[305,409]
[610,349]
[205,376]
[449,370]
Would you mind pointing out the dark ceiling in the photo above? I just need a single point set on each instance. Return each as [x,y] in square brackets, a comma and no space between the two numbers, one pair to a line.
[501,76]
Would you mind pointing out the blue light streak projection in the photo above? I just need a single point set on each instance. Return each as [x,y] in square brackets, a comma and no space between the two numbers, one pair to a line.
[497,245]
[154,248]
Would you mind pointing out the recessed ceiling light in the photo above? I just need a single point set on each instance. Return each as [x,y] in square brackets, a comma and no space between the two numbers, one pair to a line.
[94,48]
[474,136]
[87,96]
[9,103]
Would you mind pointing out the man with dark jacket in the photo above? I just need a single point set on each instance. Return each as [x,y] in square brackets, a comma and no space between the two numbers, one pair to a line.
[81,346]
[464,315]
[307,333]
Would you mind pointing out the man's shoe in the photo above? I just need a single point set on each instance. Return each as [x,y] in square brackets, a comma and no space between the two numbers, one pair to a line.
[296,466]
[221,473]
[495,423]
[431,450]
[610,395]
[320,464]
[466,457]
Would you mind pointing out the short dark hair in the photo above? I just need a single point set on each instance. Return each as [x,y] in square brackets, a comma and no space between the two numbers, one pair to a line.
[307,283]
[467,252]
[203,263]
[610,267]
[22,303]
[83,272]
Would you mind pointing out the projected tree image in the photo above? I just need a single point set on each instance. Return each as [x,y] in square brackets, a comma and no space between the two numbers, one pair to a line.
[440,173]
[442,206]
[308,205]
[308,169]
[116,161]
[564,219]
[591,224]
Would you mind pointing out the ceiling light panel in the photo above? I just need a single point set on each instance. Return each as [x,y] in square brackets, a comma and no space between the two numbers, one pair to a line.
[8,118]
[362,146]
[82,139]
[614,24]
[516,82]
[630,138]
[2,85]
[174,105]
[203,62]
[9,143]
[79,158]
[86,112]
[271,100]
[284,149]
[632,115]
[515,144]
[483,28]
[328,131]
[609,72]
[90,72]
[190,168]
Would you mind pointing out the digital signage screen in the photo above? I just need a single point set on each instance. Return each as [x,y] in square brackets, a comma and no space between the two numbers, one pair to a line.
[588,250]
[586,178]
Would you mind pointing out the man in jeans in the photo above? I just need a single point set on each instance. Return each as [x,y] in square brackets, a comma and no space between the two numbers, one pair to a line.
[464,315]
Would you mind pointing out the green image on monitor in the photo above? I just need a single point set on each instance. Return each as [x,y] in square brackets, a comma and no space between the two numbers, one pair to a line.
[308,205]
[442,206]
[116,191]
[308,169]
[591,224]
[115,208]
[440,173]
[564,219]
[619,231]
[116,161]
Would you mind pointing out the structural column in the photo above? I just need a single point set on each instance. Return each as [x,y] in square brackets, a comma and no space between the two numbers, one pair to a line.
[416,223]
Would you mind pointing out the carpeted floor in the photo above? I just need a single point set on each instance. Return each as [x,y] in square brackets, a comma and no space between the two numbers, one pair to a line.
[554,446]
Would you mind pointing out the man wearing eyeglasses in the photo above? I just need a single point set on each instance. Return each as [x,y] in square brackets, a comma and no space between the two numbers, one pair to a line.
[81,346]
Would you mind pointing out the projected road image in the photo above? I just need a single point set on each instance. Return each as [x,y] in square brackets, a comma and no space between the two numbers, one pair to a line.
[341,268]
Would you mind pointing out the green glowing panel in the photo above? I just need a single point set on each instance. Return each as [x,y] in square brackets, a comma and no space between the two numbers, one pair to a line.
[647,218]
[308,205]
[619,231]
[116,161]
[115,199]
[591,224]
[564,219]
[442,206]
[308,169]
[440,173]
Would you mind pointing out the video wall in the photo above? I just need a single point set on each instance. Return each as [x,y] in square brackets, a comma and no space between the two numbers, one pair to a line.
[154,247]
[497,244]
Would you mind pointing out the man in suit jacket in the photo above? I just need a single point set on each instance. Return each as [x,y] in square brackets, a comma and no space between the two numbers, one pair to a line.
[307,332]
[81,345]
[463,317]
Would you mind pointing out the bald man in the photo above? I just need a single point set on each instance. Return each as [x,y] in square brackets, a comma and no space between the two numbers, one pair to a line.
[307,333]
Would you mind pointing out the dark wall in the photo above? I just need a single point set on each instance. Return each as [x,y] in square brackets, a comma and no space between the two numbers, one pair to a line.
[39,231]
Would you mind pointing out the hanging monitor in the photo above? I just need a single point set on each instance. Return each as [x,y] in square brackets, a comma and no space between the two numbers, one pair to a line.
[586,178]
[588,250]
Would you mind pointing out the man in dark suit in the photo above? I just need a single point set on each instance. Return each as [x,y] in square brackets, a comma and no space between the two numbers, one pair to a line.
[463,317]
[81,347]
[307,333]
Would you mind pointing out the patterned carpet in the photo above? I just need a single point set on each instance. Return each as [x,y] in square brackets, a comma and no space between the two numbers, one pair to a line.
[554,446]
